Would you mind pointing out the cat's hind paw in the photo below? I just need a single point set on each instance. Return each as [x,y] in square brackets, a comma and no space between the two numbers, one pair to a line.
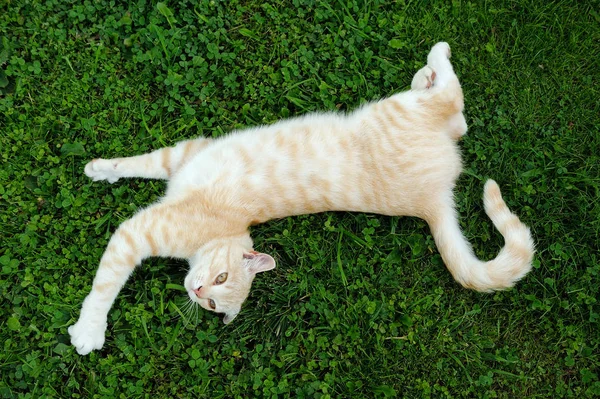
[102,169]
[423,79]
[86,336]
[440,51]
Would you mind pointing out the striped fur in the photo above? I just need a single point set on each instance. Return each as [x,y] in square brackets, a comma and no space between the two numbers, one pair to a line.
[397,156]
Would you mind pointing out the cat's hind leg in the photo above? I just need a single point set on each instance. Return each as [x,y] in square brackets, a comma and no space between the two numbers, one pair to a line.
[439,60]
[159,164]
[445,97]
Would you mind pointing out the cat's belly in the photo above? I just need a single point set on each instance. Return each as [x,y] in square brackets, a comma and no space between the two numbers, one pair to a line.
[268,182]
[393,188]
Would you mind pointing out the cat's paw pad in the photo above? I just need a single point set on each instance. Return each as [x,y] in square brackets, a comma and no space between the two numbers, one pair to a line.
[86,336]
[102,169]
[423,79]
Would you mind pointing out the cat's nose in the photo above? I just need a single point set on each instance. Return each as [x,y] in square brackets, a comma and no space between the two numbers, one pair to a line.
[197,291]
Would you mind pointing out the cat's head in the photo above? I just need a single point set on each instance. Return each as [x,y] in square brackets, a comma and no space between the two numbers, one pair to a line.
[221,274]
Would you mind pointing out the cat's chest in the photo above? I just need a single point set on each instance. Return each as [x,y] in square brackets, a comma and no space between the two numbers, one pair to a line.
[210,169]
[260,163]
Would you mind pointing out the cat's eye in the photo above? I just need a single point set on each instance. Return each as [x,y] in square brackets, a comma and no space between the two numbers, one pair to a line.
[212,304]
[221,278]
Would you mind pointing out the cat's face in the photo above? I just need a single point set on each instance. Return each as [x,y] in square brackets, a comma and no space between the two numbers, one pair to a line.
[221,274]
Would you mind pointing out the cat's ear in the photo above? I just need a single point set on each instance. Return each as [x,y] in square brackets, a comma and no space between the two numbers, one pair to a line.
[257,262]
[230,316]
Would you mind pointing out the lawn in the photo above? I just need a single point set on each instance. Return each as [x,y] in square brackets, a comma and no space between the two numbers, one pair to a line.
[360,305]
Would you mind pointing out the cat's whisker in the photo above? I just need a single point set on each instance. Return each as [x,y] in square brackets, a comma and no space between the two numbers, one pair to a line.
[187,311]
[191,312]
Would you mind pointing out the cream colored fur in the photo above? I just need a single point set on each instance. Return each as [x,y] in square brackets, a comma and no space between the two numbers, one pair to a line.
[397,156]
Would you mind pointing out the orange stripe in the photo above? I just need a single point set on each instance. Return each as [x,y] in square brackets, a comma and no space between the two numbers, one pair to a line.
[130,259]
[186,152]
[101,288]
[129,240]
[152,243]
[166,160]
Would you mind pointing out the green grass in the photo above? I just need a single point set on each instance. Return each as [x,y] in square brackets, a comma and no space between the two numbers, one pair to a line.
[360,305]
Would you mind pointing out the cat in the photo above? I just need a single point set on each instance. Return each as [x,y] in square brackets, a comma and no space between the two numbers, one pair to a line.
[397,156]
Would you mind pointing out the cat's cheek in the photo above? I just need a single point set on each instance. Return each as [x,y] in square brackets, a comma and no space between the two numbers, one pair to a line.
[203,305]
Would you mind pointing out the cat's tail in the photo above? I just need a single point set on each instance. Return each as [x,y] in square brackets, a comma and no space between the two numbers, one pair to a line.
[512,263]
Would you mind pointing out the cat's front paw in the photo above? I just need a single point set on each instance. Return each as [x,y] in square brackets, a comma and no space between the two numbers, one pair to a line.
[102,169]
[87,336]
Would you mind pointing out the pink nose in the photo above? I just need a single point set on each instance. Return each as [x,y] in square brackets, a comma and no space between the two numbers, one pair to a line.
[197,291]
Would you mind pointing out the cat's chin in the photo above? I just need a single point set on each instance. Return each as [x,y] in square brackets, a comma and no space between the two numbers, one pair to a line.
[229,317]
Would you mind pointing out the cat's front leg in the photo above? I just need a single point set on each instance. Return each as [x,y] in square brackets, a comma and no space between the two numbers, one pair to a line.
[159,164]
[127,247]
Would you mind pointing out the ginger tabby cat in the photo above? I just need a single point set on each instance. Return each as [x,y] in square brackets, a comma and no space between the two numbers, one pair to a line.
[397,156]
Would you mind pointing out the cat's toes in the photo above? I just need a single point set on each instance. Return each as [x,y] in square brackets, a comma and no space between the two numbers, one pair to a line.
[423,79]
[102,169]
[86,337]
